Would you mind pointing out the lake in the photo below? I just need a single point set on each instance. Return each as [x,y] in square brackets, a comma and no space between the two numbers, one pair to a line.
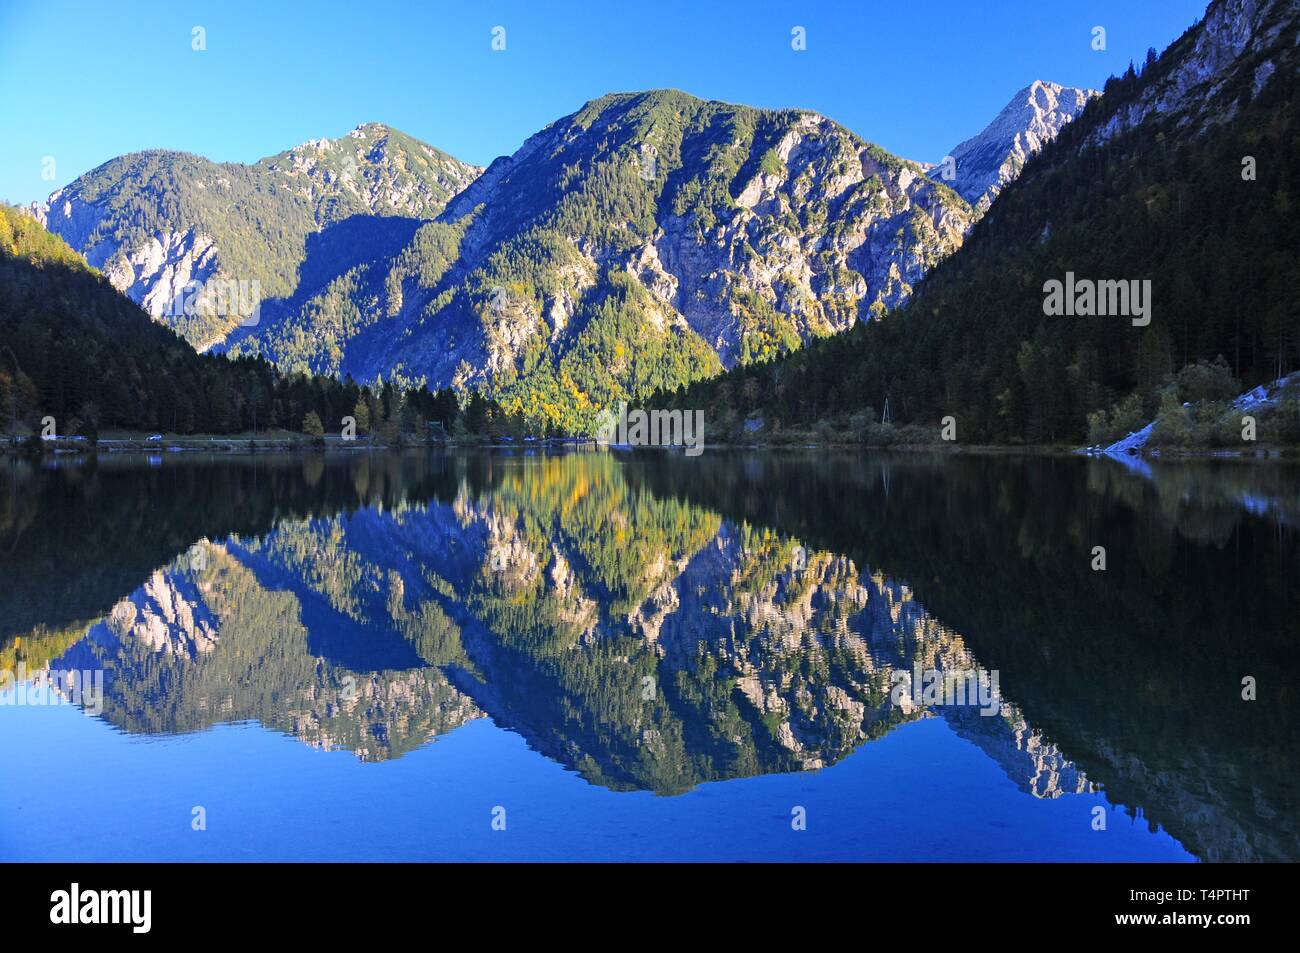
[801,655]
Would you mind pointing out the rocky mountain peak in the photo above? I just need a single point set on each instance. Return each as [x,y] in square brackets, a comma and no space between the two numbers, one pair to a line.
[986,162]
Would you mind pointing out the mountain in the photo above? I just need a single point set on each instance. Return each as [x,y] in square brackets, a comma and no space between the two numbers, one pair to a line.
[154,221]
[644,241]
[985,163]
[74,348]
[1179,181]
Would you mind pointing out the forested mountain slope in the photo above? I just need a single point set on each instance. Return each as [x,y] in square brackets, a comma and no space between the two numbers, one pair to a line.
[647,240]
[158,220]
[74,348]
[1183,174]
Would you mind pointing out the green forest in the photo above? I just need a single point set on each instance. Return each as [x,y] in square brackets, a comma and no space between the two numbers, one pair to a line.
[75,349]
[262,217]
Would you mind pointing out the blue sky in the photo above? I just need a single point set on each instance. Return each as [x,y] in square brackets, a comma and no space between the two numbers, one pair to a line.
[82,82]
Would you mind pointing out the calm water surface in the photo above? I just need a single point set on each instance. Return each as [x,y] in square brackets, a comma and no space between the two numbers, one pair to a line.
[394,656]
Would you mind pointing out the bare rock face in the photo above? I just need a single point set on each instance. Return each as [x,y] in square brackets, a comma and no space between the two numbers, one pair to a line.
[169,616]
[1231,30]
[987,162]
[886,227]
[158,272]
[65,214]
[154,270]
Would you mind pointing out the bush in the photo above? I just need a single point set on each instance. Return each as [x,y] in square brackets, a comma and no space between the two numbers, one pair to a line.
[312,426]
[1127,416]
[1174,427]
[1099,428]
[1207,380]
[1124,418]
[861,424]
[1281,425]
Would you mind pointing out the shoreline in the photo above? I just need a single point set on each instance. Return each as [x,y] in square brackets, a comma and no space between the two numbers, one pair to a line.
[226,445]
[66,447]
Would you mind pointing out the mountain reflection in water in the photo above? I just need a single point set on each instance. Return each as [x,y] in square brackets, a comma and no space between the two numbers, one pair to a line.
[654,623]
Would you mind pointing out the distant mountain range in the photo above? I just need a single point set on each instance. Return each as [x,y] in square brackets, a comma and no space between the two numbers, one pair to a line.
[645,241]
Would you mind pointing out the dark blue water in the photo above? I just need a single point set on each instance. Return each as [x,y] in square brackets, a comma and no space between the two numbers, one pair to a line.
[545,658]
